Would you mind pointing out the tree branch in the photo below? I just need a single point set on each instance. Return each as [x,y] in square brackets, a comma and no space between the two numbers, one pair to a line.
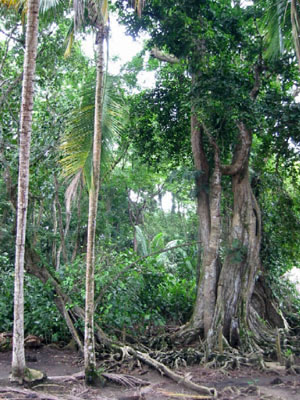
[4,96]
[156,53]
[241,153]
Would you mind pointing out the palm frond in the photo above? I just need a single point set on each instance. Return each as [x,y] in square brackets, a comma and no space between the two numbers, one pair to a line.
[46,5]
[70,40]
[79,7]
[18,5]
[70,193]
[77,140]
[295,21]
[157,242]
[274,23]
[282,27]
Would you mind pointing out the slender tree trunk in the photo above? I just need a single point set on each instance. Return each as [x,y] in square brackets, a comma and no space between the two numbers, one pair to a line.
[18,357]
[135,242]
[77,234]
[62,232]
[89,341]
[54,246]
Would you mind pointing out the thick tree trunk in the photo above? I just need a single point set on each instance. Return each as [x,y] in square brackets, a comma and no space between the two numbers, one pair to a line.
[211,252]
[18,357]
[203,212]
[224,290]
[89,341]
[241,264]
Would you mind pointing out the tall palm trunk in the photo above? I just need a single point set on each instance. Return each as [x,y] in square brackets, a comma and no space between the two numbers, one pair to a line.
[89,344]
[18,358]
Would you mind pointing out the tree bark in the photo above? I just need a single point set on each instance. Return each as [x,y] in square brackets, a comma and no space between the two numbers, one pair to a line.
[203,212]
[89,341]
[62,231]
[18,357]
[241,264]
[225,290]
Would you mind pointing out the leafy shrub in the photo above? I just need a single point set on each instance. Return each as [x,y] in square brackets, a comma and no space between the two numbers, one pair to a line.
[41,317]
[137,293]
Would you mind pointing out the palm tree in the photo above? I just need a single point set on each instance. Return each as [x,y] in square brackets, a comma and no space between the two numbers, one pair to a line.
[30,8]
[282,21]
[18,357]
[95,14]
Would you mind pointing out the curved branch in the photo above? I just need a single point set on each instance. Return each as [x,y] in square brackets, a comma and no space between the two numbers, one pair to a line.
[241,153]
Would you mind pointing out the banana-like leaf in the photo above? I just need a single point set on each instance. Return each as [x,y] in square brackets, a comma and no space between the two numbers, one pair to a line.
[142,240]
[295,21]
[157,242]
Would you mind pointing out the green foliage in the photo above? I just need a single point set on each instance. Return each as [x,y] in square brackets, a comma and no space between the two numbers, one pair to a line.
[6,290]
[150,292]
[41,315]
[159,289]
[237,252]
[77,140]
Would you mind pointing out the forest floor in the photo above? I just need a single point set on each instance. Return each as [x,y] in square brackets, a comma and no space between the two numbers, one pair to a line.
[244,383]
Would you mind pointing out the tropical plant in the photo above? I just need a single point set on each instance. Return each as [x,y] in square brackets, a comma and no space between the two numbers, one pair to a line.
[18,359]
[96,15]
[76,142]
[282,25]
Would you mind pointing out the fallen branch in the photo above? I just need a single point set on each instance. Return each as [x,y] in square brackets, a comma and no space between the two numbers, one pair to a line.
[120,379]
[28,394]
[163,369]
[183,395]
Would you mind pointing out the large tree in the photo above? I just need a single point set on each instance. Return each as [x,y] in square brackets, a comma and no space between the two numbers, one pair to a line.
[221,49]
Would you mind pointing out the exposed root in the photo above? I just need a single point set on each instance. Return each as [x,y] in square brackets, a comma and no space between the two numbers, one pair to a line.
[178,358]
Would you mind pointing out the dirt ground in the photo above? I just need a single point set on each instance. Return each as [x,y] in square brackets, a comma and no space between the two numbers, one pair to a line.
[245,383]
